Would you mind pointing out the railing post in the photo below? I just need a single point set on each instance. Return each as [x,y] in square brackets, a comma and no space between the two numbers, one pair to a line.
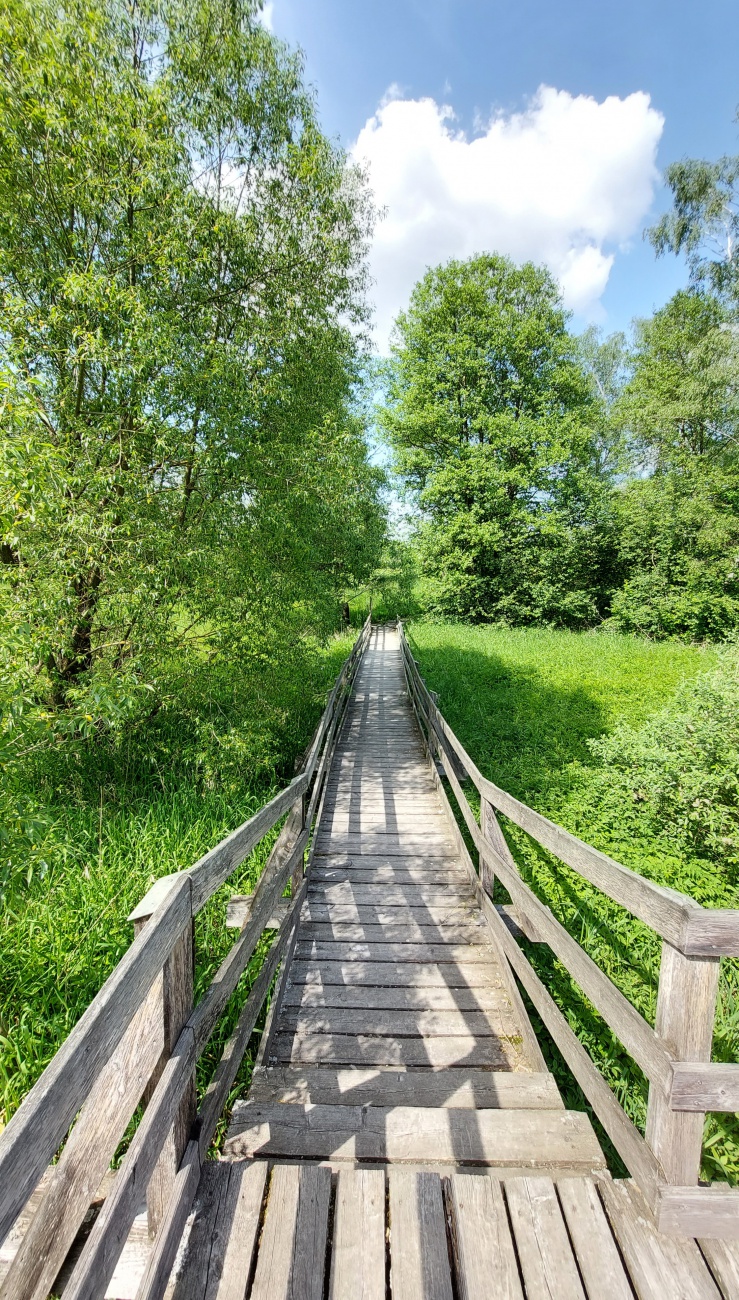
[174,990]
[686,1006]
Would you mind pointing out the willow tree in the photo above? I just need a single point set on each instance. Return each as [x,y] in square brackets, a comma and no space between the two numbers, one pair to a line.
[182,278]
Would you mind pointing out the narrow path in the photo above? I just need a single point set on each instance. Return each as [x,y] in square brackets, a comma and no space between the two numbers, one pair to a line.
[400,1036]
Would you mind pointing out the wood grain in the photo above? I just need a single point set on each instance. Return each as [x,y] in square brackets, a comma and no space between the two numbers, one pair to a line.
[358,1247]
[419,1261]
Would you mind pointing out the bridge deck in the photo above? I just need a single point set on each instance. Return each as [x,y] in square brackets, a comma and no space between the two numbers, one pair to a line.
[402,1135]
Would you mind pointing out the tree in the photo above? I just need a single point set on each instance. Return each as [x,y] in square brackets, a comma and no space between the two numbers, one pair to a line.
[704,221]
[679,525]
[489,414]
[182,272]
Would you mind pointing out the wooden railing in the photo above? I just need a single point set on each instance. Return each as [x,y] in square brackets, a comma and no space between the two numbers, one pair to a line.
[675,1056]
[140,1039]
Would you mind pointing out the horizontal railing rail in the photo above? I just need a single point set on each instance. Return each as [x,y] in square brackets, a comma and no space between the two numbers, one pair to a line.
[140,1039]
[675,1056]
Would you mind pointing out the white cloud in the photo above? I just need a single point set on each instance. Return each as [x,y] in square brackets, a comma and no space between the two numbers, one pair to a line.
[266,17]
[566,182]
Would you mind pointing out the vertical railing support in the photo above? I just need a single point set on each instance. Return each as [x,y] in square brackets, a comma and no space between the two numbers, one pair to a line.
[686,1006]
[175,995]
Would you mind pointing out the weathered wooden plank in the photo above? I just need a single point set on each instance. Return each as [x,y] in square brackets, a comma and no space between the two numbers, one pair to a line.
[437,1053]
[292,1253]
[393,1024]
[97,1261]
[459,974]
[442,953]
[547,1262]
[429,998]
[686,1007]
[72,1183]
[402,929]
[238,1228]
[362,872]
[358,1247]
[658,1266]
[699,1211]
[394,845]
[710,1086]
[419,1262]
[722,1258]
[41,1122]
[483,1246]
[477,1089]
[390,895]
[628,1141]
[455,911]
[174,1217]
[600,1264]
[413,1134]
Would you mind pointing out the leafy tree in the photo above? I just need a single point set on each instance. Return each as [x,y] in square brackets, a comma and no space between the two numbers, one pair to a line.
[182,275]
[704,221]
[489,414]
[607,365]
[679,525]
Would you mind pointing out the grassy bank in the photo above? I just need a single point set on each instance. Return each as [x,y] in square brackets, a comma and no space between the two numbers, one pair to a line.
[108,821]
[536,708]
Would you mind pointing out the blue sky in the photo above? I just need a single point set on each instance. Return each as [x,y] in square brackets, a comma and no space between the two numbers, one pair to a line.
[570,175]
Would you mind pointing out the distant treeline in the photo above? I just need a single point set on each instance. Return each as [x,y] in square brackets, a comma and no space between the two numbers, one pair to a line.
[572,480]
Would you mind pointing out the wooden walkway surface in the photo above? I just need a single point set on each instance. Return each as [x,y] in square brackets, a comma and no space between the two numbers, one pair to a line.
[402,1136]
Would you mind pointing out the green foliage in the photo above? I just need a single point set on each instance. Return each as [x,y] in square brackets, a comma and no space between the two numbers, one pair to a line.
[489,414]
[625,743]
[704,221]
[182,267]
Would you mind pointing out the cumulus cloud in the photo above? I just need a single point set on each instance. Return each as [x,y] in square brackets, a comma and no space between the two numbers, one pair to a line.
[567,182]
[266,17]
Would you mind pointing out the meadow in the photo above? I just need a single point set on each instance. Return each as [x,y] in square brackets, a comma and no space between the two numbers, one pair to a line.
[577,725]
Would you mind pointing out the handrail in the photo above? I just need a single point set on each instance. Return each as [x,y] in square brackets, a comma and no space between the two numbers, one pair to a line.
[675,1055]
[119,1038]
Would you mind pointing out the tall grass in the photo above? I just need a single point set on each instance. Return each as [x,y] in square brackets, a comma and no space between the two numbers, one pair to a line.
[112,823]
[526,704]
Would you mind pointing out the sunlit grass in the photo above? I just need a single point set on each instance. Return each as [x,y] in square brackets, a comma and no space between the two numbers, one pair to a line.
[524,703]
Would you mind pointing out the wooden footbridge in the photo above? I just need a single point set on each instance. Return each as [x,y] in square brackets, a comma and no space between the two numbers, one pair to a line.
[402,1135]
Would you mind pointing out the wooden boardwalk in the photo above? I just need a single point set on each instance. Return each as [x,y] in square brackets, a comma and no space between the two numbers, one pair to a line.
[402,1137]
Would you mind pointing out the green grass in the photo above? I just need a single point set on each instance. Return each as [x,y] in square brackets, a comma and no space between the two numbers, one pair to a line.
[525,703]
[111,827]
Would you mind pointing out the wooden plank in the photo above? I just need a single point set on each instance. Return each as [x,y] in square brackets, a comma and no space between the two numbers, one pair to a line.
[547,1262]
[437,1053]
[597,1255]
[483,1246]
[699,1211]
[392,844]
[712,1086]
[326,950]
[658,1266]
[455,910]
[628,1141]
[394,1024]
[96,1263]
[477,1089]
[71,1184]
[390,895]
[722,1258]
[175,1005]
[430,998]
[358,1248]
[238,1229]
[440,871]
[414,1134]
[40,1124]
[174,1217]
[292,1252]
[686,1008]
[419,1262]
[460,974]
[400,930]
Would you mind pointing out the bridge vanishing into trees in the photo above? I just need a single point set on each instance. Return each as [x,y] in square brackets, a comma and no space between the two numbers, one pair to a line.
[402,1134]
